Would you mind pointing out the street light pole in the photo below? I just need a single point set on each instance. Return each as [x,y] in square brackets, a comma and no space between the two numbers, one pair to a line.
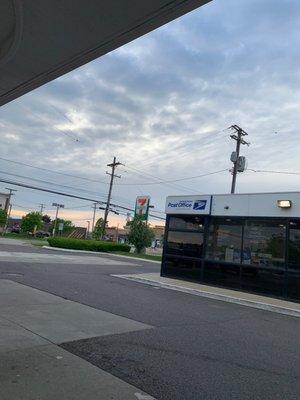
[94,216]
[88,229]
[58,206]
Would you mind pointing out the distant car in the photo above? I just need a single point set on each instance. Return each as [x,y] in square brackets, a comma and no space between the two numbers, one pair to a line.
[42,234]
[15,229]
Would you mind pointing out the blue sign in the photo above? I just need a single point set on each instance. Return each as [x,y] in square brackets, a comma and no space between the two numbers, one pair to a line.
[181,204]
[199,205]
[188,205]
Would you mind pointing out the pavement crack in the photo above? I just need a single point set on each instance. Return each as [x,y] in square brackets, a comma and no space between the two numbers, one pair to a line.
[27,329]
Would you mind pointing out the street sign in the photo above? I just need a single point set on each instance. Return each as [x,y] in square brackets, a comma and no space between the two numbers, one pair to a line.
[142,207]
[61,226]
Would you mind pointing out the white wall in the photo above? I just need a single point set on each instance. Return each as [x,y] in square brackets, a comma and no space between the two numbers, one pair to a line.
[3,198]
[255,205]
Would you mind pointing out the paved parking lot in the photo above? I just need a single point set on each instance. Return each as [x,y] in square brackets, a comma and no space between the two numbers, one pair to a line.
[157,342]
[32,365]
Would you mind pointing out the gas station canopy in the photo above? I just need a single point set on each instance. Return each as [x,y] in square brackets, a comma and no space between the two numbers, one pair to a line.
[42,40]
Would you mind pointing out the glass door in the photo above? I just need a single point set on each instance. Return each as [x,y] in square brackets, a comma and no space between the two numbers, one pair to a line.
[294,260]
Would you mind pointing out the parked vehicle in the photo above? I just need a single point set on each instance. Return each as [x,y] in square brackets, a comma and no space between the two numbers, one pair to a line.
[16,229]
[42,234]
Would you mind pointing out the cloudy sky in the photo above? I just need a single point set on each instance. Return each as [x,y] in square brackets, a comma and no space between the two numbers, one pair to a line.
[161,105]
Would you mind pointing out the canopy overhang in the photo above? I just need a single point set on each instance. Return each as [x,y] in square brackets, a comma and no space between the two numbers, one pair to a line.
[42,40]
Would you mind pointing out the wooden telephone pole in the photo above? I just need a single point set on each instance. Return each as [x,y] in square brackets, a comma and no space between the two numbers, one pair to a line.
[113,175]
[238,137]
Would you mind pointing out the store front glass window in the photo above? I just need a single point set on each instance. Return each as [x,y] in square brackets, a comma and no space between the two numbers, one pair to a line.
[225,241]
[182,263]
[189,244]
[186,223]
[294,244]
[294,261]
[264,244]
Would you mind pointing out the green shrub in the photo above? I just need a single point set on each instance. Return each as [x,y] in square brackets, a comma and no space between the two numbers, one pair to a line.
[3,217]
[90,245]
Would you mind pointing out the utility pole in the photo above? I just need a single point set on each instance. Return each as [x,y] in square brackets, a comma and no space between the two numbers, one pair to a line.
[235,157]
[9,198]
[7,219]
[42,208]
[8,207]
[58,206]
[113,166]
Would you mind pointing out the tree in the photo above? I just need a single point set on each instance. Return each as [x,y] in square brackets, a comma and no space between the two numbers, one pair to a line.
[46,219]
[67,228]
[99,229]
[31,221]
[3,217]
[140,234]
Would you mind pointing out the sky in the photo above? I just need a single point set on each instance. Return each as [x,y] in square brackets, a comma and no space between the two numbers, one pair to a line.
[162,105]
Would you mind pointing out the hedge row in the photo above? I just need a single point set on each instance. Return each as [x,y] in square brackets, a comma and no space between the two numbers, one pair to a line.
[90,245]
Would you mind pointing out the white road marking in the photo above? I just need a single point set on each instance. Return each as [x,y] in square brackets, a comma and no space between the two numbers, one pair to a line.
[141,396]
[10,256]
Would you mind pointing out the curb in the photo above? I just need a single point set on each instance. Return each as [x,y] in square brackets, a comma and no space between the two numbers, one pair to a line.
[98,253]
[229,299]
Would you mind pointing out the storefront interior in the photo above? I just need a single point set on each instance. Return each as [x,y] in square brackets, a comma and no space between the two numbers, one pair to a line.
[260,255]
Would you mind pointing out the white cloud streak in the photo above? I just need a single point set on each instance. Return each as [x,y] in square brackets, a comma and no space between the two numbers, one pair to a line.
[161,103]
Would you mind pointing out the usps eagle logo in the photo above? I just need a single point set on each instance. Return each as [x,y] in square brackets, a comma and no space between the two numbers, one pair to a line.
[199,205]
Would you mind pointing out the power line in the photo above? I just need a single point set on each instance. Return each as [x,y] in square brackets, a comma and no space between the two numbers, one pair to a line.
[24,208]
[63,186]
[180,147]
[139,172]
[68,195]
[180,179]
[47,118]
[274,172]
[47,182]
[59,173]
[161,181]
[169,182]
[75,207]
[50,209]
[52,171]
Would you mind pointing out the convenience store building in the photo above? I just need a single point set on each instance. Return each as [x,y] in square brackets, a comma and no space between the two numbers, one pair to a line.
[247,242]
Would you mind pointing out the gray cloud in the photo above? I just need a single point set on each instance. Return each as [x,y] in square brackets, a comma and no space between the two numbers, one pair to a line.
[161,104]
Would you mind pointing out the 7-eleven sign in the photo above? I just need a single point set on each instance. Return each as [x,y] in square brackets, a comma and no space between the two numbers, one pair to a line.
[142,207]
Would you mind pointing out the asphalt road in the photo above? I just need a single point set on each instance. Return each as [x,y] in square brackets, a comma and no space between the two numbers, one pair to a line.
[198,348]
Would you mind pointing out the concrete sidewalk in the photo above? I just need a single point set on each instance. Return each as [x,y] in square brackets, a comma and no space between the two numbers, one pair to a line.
[33,366]
[217,293]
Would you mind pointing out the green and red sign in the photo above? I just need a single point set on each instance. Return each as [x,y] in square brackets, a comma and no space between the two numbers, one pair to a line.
[142,207]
